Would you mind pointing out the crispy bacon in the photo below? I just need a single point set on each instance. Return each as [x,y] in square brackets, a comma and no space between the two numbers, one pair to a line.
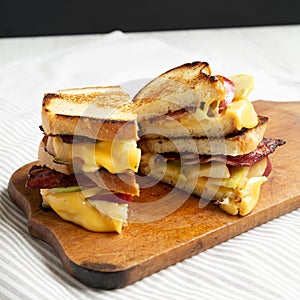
[265,147]
[42,177]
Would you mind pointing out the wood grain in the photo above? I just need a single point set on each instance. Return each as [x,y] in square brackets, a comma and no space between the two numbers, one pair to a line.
[110,260]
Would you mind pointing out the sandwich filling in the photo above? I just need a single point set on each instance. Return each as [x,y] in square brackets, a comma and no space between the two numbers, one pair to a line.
[233,182]
[90,155]
[197,122]
[92,208]
[76,198]
[207,140]
[89,198]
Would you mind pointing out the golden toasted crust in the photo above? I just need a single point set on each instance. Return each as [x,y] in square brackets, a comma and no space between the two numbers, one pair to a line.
[185,86]
[238,143]
[103,113]
[120,183]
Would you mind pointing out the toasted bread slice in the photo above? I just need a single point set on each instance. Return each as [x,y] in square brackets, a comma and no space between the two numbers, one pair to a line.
[120,183]
[102,113]
[188,100]
[239,143]
[186,86]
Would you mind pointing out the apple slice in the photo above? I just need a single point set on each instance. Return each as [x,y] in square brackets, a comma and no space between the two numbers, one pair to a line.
[268,169]
[237,174]
[229,95]
[113,210]
[211,170]
[258,169]
[244,84]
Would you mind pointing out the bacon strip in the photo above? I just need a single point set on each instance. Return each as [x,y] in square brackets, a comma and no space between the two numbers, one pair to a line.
[264,148]
[42,177]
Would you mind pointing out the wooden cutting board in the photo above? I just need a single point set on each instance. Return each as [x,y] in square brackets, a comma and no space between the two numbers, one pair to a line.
[111,260]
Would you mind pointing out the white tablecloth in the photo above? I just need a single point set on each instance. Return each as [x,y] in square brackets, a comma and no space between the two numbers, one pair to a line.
[263,263]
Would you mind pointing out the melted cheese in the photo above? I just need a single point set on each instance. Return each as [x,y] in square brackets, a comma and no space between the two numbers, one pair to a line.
[243,113]
[115,156]
[235,195]
[74,207]
[245,198]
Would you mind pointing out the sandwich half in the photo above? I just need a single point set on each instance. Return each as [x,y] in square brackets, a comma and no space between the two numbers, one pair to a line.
[201,134]
[88,156]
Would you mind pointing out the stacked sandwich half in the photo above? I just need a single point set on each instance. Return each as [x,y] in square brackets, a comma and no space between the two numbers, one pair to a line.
[200,133]
[88,156]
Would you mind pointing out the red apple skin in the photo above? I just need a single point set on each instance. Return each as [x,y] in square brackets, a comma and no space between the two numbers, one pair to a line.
[111,197]
[229,94]
[229,87]
[268,168]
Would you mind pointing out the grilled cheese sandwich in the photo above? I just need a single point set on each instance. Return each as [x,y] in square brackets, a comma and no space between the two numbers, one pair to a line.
[88,157]
[197,132]
[201,134]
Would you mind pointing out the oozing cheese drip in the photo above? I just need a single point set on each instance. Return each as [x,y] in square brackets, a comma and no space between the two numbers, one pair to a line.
[241,112]
[74,207]
[244,199]
[115,156]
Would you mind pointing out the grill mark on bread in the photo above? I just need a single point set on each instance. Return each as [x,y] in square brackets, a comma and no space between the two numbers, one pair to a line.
[48,97]
[203,67]
[212,79]
[189,80]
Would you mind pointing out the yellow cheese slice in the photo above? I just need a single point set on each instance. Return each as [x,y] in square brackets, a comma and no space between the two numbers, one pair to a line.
[115,156]
[240,112]
[74,207]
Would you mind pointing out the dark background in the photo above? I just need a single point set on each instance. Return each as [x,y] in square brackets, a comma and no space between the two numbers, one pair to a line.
[35,18]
